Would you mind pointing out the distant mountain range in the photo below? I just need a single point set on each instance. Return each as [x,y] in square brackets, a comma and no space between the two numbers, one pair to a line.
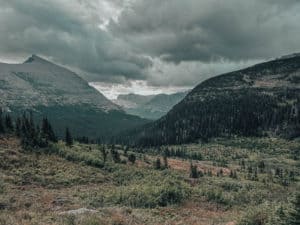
[262,100]
[149,106]
[47,89]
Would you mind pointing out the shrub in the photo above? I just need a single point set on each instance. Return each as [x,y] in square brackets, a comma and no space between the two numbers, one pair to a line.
[157,164]
[132,158]
[150,195]
[231,186]
[264,214]
[217,197]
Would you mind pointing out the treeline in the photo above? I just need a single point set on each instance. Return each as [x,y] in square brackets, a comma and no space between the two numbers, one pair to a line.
[32,135]
[248,112]
[182,153]
[270,173]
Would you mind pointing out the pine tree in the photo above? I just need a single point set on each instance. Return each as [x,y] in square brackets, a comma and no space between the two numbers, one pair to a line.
[115,155]
[166,165]
[8,123]
[157,164]
[68,138]
[193,171]
[132,158]
[18,127]
[47,131]
[104,153]
[29,136]
[261,166]
[221,172]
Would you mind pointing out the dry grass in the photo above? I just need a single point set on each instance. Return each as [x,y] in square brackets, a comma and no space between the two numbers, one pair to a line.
[40,189]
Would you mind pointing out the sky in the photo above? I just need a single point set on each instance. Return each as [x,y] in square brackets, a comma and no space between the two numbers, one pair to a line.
[149,46]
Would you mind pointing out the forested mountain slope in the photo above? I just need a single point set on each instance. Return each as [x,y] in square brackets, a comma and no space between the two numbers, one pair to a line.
[260,100]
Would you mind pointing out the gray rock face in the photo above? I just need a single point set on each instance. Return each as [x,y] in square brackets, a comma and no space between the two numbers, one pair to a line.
[38,82]
[49,90]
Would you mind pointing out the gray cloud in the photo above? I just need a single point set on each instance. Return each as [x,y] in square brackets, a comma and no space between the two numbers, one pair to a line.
[193,40]
[170,42]
[209,30]
[69,33]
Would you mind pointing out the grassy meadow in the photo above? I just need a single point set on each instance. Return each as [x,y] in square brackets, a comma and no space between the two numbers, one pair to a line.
[237,181]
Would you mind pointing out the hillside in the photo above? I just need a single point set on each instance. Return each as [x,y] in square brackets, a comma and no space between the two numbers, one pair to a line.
[260,100]
[236,181]
[51,90]
[151,106]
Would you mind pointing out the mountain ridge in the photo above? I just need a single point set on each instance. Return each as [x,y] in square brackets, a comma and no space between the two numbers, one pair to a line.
[263,99]
[46,89]
[149,106]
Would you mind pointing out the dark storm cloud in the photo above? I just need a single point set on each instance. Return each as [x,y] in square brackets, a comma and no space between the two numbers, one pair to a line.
[69,33]
[169,42]
[207,30]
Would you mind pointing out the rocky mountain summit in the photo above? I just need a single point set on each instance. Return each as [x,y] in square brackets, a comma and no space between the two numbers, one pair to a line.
[38,82]
[46,89]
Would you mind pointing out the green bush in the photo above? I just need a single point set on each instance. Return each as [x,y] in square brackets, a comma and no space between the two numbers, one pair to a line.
[77,156]
[265,214]
[217,196]
[231,186]
[147,195]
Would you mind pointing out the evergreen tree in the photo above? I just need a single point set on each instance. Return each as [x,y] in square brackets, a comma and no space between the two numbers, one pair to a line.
[8,123]
[157,164]
[18,127]
[104,153]
[68,138]
[243,164]
[29,136]
[166,165]
[47,131]
[132,158]
[261,166]
[221,172]
[193,171]
[115,155]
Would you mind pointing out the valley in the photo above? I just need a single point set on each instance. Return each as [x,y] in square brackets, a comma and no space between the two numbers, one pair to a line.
[226,154]
[150,107]
[138,112]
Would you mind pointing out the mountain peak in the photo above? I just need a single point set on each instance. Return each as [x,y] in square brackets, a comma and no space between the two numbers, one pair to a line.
[35,58]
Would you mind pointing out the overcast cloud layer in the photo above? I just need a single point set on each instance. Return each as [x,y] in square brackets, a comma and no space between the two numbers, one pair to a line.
[163,42]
